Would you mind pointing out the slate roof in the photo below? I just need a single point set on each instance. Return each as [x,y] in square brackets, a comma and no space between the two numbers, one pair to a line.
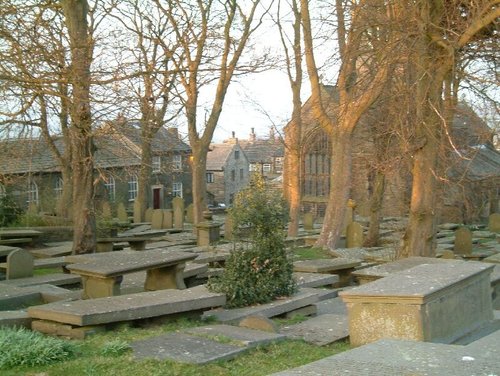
[263,150]
[114,148]
[478,163]
[217,156]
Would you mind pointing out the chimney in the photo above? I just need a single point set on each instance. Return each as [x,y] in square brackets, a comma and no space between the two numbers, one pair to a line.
[252,135]
[174,132]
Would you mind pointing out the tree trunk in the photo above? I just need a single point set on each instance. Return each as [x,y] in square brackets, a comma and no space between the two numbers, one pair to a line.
[84,224]
[375,210]
[293,181]
[65,201]
[145,171]
[340,188]
[199,180]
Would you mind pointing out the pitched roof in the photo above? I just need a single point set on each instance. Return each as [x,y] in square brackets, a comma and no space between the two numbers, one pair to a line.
[480,162]
[263,150]
[217,156]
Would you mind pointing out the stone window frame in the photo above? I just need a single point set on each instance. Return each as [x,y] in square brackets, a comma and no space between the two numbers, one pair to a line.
[236,154]
[32,193]
[233,175]
[133,187]
[177,189]
[242,174]
[266,167]
[210,177]
[58,187]
[110,185]
[156,164]
[176,162]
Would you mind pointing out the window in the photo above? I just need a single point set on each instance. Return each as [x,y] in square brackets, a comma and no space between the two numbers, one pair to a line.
[58,187]
[133,187]
[2,191]
[233,175]
[109,184]
[32,193]
[266,167]
[236,154]
[156,163]
[177,162]
[210,177]
[242,174]
[177,189]
[254,167]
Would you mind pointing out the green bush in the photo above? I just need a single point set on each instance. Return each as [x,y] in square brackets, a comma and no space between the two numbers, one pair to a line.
[258,270]
[9,211]
[19,346]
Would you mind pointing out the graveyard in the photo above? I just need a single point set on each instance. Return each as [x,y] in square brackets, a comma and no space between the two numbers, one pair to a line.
[357,310]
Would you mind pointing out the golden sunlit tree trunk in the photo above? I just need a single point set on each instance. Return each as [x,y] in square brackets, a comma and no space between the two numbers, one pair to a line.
[84,223]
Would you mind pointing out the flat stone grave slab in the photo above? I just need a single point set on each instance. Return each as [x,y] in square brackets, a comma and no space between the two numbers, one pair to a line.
[424,303]
[61,250]
[390,357]
[493,259]
[14,297]
[275,308]
[343,267]
[16,319]
[128,307]
[212,258]
[320,330]
[314,279]
[487,346]
[235,334]
[184,348]
[5,250]
[57,279]
[377,254]
[331,306]
[379,271]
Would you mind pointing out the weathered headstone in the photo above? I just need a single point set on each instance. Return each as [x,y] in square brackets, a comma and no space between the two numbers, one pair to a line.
[228,227]
[190,213]
[157,219]
[106,210]
[148,214]
[463,241]
[121,212]
[494,222]
[19,264]
[349,215]
[354,235]
[308,221]
[137,212]
[448,255]
[178,207]
[168,220]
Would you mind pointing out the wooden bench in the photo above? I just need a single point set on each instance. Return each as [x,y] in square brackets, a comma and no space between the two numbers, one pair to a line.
[102,274]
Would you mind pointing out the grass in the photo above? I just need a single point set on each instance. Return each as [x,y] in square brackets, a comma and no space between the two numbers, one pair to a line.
[108,354]
[309,254]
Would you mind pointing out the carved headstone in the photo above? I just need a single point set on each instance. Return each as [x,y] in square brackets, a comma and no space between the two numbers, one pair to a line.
[494,222]
[354,235]
[463,241]
[19,264]
[308,221]
[228,228]
[168,220]
[157,219]
[137,212]
[178,207]
[349,215]
[106,210]
[121,212]
[190,213]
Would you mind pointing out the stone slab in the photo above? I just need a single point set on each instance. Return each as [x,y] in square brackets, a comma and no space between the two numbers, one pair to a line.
[184,348]
[5,250]
[14,297]
[57,279]
[240,335]
[320,330]
[62,250]
[493,259]
[128,307]
[396,358]
[325,265]
[331,306]
[15,319]
[314,279]
[275,308]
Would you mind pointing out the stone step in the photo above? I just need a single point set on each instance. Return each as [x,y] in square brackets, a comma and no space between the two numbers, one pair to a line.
[320,330]
[301,299]
[128,307]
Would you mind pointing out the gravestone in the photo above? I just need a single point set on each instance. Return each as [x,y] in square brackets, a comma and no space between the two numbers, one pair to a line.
[448,255]
[137,212]
[354,235]
[19,264]
[121,212]
[494,222]
[308,221]
[157,219]
[148,214]
[168,220]
[349,215]
[463,241]
[106,210]
[178,207]
[190,213]
[228,227]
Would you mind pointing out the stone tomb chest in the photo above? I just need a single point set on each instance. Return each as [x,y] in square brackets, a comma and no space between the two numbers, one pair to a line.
[430,302]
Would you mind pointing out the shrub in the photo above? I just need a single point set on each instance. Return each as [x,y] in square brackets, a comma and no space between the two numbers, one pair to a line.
[258,270]
[19,346]
[9,211]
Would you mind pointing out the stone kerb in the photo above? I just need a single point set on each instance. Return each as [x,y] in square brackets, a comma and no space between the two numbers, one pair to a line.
[430,302]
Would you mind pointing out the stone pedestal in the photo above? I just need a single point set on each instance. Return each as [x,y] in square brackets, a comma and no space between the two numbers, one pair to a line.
[207,233]
[431,302]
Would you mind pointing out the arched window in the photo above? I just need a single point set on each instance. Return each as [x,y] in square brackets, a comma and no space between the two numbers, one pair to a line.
[58,187]
[109,184]
[316,165]
[32,193]
[133,187]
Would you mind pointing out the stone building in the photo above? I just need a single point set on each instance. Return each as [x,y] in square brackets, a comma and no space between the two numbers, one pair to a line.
[30,174]
[470,173]
[265,155]
[227,171]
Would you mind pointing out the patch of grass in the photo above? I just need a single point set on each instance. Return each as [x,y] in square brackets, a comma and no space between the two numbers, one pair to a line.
[46,271]
[19,346]
[296,319]
[91,360]
[309,253]
[115,348]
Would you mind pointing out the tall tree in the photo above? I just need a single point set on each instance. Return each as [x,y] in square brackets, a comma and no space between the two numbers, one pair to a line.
[81,47]
[212,36]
